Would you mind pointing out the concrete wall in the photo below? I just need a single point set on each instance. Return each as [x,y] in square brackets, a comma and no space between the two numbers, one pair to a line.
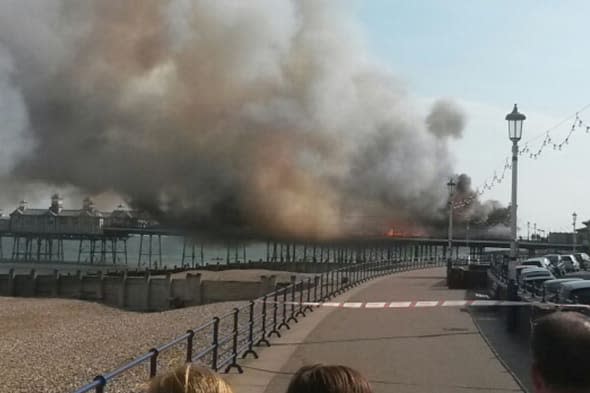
[144,293]
[295,267]
[218,291]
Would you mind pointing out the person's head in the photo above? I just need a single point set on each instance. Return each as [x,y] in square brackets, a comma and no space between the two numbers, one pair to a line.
[189,379]
[328,379]
[561,348]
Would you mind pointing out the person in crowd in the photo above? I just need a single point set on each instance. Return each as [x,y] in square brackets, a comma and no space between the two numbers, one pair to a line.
[189,379]
[560,345]
[328,379]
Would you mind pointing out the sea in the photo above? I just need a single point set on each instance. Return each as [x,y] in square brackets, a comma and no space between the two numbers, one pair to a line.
[172,251]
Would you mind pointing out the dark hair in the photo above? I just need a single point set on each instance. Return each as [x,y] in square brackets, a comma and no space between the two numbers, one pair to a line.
[561,350]
[328,379]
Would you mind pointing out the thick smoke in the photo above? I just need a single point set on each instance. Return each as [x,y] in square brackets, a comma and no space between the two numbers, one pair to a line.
[252,118]
[487,218]
[445,120]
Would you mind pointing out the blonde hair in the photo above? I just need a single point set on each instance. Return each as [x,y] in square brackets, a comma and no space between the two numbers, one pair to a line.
[189,379]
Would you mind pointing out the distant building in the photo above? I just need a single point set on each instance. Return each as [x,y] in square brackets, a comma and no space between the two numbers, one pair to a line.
[584,234]
[121,218]
[56,220]
[561,237]
[4,222]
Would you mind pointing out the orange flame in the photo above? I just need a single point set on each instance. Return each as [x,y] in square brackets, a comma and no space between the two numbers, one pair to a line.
[397,232]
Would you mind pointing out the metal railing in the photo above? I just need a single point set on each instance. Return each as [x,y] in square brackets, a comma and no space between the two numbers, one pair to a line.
[224,340]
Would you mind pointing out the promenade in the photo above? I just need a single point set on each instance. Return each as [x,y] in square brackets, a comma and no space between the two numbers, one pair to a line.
[432,349]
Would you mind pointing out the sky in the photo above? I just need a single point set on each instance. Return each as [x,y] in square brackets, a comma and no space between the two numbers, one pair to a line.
[487,56]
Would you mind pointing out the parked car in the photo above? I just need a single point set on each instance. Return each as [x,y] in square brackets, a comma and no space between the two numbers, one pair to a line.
[530,272]
[534,284]
[581,274]
[538,262]
[551,288]
[553,258]
[584,260]
[571,263]
[575,292]
[557,264]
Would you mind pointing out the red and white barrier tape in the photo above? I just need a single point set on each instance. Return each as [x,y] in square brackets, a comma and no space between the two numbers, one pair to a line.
[428,304]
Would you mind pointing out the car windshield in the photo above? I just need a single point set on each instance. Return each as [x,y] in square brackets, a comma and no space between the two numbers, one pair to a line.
[553,258]
[531,263]
[254,192]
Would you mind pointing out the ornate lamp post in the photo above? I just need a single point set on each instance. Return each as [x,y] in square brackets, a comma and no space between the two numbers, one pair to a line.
[515,121]
[574,240]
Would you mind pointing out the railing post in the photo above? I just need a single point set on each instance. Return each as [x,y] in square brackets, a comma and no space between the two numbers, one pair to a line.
[284,317]
[275,310]
[215,343]
[263,332]
[153,362]
[309,307]
[234,347]
[300,312]
[316,283]
[292,316]
[332,284]
[100,387]
[250,333]
[189,345]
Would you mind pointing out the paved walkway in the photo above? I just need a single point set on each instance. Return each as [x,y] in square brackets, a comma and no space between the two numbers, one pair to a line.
[399,350]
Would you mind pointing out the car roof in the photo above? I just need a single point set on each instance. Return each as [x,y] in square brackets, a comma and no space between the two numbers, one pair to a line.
[531,269]
[576,285]
[538,260]
[562,280]
[534,278]
[583,275]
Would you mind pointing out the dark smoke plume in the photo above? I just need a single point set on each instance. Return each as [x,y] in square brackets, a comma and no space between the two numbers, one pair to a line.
[254,118]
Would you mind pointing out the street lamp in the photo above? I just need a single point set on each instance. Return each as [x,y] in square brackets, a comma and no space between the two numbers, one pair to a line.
[515,120]
[528,230]
[574,241]
[451,185]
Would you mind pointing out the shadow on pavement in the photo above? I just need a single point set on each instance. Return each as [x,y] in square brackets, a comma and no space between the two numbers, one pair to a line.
[399,383]
[510,349]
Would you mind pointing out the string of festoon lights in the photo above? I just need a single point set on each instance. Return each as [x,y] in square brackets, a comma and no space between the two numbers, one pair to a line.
[550,140]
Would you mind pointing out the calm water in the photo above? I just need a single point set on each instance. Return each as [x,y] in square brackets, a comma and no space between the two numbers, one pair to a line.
[171,252]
